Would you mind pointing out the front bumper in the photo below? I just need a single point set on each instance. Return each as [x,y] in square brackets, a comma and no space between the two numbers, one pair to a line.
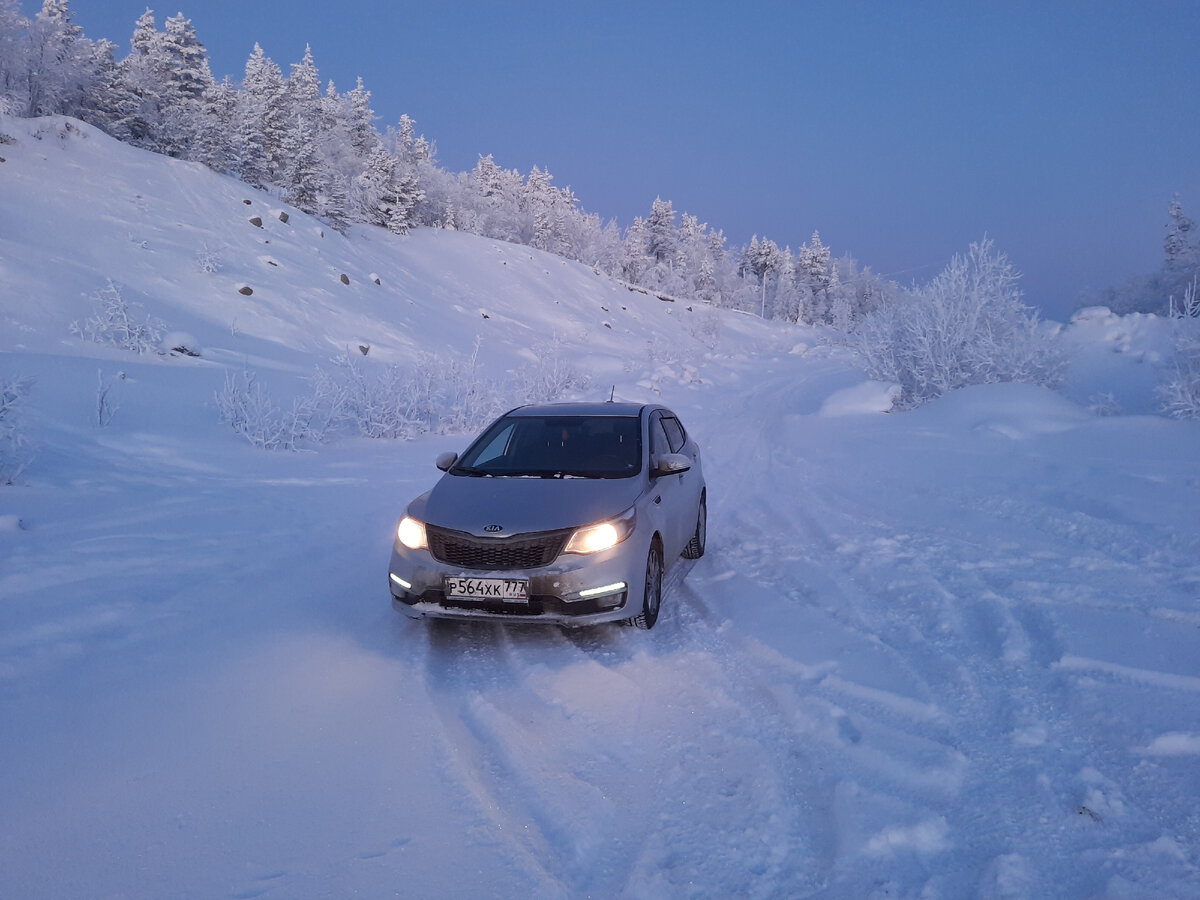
[416,580]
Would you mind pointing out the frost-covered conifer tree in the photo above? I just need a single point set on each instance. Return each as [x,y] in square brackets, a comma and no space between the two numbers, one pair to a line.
[215,137]
[386,197]
[55,63]
[764,260]
[185,88]
[363,135]
[814,277]
[493,198]
[662,240]
[304,89]
[13,28]
[136,100]
[1180,247]
[302,176]
[263,120]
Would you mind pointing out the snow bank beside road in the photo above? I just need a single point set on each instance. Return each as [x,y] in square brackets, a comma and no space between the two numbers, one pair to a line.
[868,397]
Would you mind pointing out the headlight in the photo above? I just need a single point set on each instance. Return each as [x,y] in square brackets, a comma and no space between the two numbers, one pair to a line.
[411,533]
[603,535]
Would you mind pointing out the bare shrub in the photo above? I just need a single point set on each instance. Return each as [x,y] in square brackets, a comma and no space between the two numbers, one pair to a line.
[247,408]
[208,260]
[705,326]
[550,377]
[106,405]
[14,446]
[1180,391]
[440,394]
[114,323]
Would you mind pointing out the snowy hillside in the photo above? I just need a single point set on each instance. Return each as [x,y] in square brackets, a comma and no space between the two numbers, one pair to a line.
[953,652]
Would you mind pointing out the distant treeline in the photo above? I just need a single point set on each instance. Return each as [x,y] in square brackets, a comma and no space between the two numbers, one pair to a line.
[319,149]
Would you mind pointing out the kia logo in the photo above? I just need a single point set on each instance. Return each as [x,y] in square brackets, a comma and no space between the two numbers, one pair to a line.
[492,529]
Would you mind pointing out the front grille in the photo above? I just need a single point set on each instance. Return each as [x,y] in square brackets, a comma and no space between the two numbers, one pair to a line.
[495,554]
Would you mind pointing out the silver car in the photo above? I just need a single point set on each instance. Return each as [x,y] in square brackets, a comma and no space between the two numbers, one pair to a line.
[564,512]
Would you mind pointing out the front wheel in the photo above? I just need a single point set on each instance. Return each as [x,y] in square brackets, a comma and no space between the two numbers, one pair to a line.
[652,599]
[695,547]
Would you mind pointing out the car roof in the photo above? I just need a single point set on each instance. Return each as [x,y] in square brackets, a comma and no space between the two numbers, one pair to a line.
[580,408]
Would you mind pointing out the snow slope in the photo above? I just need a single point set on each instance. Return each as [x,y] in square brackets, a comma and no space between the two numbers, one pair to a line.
[947,653]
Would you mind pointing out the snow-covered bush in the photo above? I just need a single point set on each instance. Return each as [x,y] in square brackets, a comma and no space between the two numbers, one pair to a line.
[114,323]
[385,405]
[247,408]
[470,401]
[550,377]
[705,326]
[1180,391]
[439,394]
[444,394]
[1189,306]
[967,326]
[13,444]
[208,260]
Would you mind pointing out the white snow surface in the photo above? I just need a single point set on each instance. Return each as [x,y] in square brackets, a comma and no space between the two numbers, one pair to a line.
[946,653]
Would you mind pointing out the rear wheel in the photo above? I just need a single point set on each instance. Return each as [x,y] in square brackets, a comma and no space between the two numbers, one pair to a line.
[653,593]
[695,547]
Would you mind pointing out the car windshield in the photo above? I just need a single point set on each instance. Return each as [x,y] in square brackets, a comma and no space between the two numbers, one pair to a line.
[556,447]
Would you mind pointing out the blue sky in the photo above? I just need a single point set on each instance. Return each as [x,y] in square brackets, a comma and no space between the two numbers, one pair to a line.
[901,130]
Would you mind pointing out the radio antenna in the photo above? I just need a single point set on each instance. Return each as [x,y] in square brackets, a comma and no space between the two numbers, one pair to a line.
[613,394]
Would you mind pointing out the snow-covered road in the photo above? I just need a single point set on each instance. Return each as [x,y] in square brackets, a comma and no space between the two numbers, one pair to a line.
[951,651]
[946,653]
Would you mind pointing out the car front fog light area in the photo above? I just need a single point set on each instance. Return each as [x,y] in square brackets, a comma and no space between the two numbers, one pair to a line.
[603,589]
[606,596]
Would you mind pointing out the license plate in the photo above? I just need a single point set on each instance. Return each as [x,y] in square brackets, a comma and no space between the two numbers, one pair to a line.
[509,590]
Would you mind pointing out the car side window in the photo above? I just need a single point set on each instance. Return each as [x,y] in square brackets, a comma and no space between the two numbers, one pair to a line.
[675,435]
[658,438]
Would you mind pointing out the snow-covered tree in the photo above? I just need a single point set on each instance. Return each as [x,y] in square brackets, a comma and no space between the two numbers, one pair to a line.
[763,260]
[53,67]
[363,135]
[13,29]
[967,326]
[385,196]
[1180,248]
[814,278]
[303,174]
[304,89]
[662,240]
[263,121]
[185,88]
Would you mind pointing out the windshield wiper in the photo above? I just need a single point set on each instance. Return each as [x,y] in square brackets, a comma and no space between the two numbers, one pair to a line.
[539,473]
[473,471]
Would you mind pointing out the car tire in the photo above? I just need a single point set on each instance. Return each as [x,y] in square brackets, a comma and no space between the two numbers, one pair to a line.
[695,547]
[652,596]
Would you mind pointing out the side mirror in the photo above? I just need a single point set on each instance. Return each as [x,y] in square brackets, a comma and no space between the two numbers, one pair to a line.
[445,460]
[672,464]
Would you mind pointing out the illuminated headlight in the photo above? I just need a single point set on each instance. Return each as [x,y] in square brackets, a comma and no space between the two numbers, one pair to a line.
[411,533]
[400,582]
[602,535]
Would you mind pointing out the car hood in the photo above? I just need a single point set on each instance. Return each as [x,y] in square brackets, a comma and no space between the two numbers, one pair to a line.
[522,505]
